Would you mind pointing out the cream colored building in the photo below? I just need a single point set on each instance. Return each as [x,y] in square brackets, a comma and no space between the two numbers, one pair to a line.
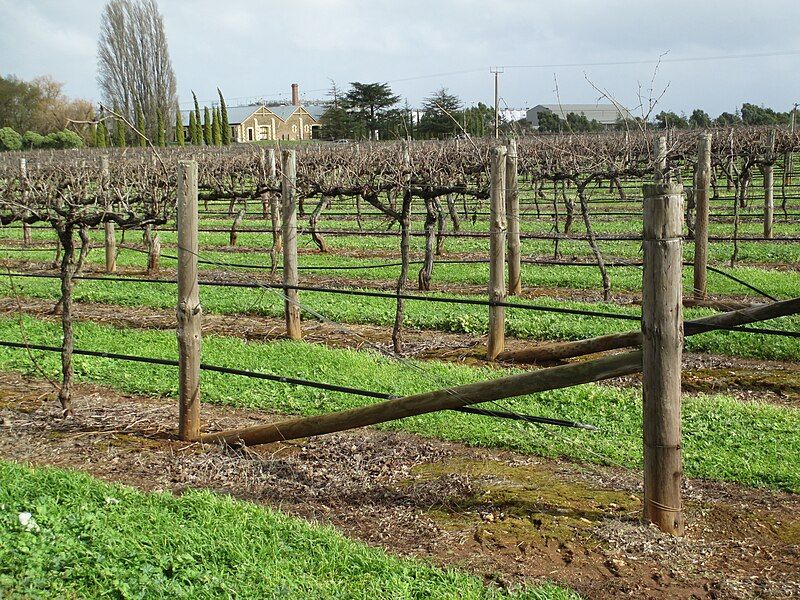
[260,122]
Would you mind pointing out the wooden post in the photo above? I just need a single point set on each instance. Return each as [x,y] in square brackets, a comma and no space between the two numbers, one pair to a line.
[528,382]
[108,226]
[662,347]
[274,209]
[23,174]
[190,313]
[769,178]
[661,160]
[512,216]
[555,351]
[702,180]
[289,214]
[497,247]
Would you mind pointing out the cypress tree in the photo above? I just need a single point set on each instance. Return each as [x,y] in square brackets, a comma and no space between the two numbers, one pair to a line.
[140,125]
[192,129]
[119,134]
[102,135]
[207,127]
[179,136]
[216,134]
[93,138]
[161,135]
[224,124]
[198,131]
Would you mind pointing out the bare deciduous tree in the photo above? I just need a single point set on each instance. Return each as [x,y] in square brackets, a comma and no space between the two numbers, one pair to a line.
[134,68]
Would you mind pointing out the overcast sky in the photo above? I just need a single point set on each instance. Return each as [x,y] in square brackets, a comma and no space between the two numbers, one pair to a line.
[257,48]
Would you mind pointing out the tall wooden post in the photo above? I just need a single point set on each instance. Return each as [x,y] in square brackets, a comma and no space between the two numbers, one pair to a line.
[289,210]
[662,346]
[702,181]
[769,179]
[661,159]
[497,246]
[23,174]
[512,216]
[190,313]
[108,226]
[274,209]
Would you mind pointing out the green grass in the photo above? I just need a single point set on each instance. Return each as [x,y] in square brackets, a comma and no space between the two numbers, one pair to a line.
[422,315]
[754,444]
[95,539]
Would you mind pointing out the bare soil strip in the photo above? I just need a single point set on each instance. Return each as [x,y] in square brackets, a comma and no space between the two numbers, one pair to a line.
[508,517]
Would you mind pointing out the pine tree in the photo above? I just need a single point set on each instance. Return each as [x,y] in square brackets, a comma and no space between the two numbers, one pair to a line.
[119,134]
[161,134]
[216,134]
[224,124]
[102,135]
[179,136]
[207,127]
[197,140]
[140,125]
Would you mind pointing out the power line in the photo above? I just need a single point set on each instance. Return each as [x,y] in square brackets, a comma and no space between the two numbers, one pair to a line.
[618,63]
[656,61]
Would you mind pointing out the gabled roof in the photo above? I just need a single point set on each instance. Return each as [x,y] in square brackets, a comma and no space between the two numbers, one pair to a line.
[239,114]
[283,111]
[316,110]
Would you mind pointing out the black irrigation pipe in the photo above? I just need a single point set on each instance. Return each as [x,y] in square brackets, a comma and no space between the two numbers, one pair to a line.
[461,262]
[474,234]
[363,293]
[307,288]
[541,262]
[293,381]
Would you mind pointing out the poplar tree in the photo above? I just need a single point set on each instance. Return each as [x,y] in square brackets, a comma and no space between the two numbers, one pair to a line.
[207,127]
[161,133]
[215,130]
[224,124]
[179,136]
[140,125]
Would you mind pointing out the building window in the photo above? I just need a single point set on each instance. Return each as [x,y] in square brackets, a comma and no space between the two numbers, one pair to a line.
[294,128]
[264,133]
[308,128]
[249,134]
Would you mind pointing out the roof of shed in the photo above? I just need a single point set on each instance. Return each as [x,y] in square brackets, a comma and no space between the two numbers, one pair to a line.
[600,112]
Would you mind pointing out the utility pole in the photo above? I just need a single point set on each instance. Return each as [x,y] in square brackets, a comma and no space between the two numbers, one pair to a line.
[496,71]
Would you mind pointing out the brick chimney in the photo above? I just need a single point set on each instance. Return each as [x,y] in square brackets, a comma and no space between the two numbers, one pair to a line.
[295,95]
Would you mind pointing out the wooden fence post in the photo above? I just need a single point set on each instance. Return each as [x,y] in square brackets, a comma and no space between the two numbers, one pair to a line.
[662,337]
[190,313]
[769,178]
[289,210]
[660,172]
[108,226]
[512,217]
[23,174]
[702,180]
[274,209]
[497,247]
